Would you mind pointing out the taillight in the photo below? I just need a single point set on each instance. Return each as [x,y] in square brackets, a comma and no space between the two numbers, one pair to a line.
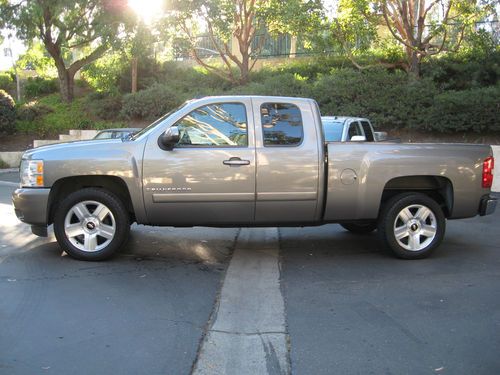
[488,165]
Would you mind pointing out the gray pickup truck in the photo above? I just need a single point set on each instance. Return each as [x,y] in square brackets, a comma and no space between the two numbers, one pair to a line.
[235,161]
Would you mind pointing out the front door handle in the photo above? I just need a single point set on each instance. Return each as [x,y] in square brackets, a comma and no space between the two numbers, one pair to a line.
[234,161]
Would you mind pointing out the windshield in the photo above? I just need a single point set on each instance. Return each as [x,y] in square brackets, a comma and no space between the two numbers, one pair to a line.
[134,136]
[333,130]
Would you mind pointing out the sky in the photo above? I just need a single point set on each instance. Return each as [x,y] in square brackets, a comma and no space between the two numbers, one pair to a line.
[12,44]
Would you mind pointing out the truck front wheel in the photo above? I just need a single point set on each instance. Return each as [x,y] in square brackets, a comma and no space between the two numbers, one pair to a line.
[411,225]
[91,224]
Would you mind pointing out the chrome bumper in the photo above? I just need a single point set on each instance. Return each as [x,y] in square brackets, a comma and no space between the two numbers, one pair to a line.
[487,206]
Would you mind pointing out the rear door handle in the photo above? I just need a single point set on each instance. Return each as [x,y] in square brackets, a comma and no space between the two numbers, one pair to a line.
[236,162]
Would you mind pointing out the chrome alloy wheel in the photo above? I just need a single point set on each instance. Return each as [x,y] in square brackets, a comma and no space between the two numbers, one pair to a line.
[90,226]
[415,227]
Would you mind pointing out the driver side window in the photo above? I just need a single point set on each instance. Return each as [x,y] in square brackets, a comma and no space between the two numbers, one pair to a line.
[214,125]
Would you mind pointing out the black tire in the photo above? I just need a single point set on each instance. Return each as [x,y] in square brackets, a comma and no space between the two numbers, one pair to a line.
[360,228]
[102,233]
[418,236]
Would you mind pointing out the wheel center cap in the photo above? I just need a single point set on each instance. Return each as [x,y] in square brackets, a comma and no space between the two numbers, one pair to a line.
[414,227]
[90,224]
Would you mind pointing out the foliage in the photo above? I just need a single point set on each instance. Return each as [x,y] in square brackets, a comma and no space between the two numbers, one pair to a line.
[468,110]
[6,81]
[37,58]
[88,26]
[103,105]
[7,113]
[150,103]
[241,20]
[389,99]
[32,111]
[104,74]
[286,84]
[464,71]
[37,86]
[60,117]
[423,29]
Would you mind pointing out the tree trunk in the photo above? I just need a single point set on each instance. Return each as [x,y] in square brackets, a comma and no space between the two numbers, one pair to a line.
[244,68]
[66,84]
[134,74]
[414,64]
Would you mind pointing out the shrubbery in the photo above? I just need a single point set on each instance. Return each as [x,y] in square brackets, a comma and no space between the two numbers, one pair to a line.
[38,86]
[7,113]
[150,103]
[32,111]
[468,110]
[7,82]
[105,106]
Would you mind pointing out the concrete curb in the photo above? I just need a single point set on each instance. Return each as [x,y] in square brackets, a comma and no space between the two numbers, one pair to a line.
[11,158]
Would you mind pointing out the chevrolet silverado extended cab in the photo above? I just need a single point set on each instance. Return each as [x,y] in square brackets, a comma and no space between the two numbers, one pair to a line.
[250,161]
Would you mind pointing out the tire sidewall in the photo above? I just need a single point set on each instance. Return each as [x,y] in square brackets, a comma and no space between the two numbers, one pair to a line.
[388,217]
[112,202]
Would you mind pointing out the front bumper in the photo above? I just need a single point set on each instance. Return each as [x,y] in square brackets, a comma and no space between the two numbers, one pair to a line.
[488,205]
[31,205]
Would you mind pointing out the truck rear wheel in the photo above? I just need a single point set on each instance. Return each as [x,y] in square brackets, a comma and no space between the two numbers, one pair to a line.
[411,225]
[91,224]
[360,228]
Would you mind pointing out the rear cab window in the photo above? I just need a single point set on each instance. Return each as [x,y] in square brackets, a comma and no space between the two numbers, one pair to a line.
[368,131]
[281,124]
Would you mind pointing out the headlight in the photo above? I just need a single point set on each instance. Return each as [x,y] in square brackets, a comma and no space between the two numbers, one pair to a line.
[31,173]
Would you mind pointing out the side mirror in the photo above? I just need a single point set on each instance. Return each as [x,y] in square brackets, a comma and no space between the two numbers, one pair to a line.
[358,138]
[380,136]
[168,139]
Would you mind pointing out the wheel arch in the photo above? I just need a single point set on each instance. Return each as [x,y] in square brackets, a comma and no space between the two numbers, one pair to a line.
[438,188]
[67,185]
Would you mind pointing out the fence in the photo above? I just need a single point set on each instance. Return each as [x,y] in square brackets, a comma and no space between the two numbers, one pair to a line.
[266,46]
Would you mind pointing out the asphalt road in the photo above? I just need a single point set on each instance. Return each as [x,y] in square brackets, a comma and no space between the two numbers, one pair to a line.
[348,307]
[144,312]
[352,309]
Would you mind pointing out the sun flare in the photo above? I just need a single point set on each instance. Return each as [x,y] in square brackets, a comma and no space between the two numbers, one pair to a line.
[147,10]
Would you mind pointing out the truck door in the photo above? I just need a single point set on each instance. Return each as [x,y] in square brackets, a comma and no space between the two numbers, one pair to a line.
[288,160]
[208,178]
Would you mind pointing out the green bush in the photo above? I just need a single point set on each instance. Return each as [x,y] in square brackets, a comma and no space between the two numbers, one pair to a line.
[469,110]
[284,84]
[7,113]
[37,86]
[32,111]
[465,71]
[150,103]
[7,82]
[390,100]
[105,106]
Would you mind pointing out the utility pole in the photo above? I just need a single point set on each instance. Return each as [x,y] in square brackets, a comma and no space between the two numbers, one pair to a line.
[18,84]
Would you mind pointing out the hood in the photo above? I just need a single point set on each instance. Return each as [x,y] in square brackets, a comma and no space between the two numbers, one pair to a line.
[90,146]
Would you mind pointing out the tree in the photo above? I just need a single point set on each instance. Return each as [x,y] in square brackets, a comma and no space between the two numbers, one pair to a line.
[423,28]
[86,27]
[237,29]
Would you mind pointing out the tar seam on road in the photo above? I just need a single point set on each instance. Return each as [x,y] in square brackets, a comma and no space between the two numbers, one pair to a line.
[248,333]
